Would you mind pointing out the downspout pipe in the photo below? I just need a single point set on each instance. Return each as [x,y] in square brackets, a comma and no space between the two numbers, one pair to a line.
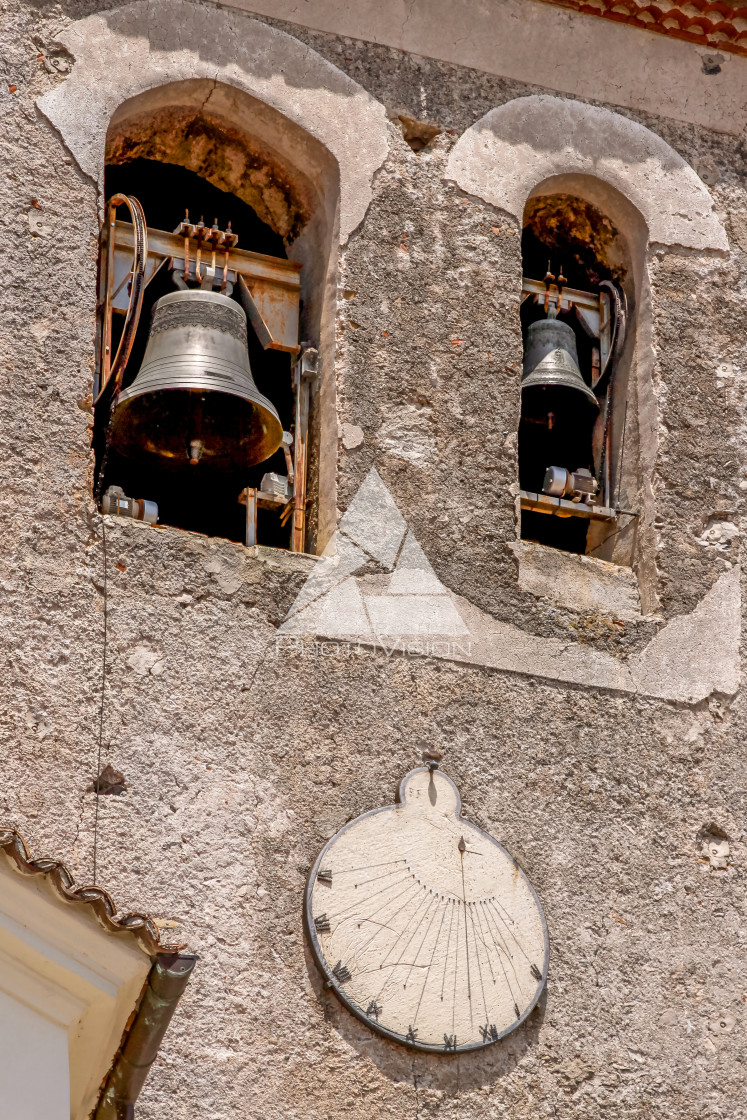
[166,982]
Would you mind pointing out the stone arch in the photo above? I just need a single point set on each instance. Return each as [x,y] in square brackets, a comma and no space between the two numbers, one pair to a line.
[279,126]
[505,154]
[123,53]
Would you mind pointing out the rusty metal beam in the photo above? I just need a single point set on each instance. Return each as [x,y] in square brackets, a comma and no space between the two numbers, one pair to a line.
[269,287]
[256,266]
[561,507]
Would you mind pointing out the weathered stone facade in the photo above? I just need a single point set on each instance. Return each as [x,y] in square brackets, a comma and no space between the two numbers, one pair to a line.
[241,757]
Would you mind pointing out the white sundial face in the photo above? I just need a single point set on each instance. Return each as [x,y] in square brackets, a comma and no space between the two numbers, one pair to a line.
[424,925]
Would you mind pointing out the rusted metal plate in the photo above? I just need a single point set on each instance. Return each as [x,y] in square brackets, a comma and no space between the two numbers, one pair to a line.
[273,312]
[561,507]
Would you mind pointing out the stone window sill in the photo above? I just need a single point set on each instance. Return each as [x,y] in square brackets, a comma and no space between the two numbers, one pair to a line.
[582,584]
[274,557]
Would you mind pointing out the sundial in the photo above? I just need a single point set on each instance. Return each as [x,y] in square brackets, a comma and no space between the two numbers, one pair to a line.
[424,926]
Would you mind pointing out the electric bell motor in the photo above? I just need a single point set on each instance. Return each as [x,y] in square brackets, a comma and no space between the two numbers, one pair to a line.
[116,503]
[577,485]
[194,402]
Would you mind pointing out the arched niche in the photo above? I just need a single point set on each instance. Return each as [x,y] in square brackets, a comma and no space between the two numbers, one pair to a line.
[251,153]
[595,233]
[304,139]
[542,145]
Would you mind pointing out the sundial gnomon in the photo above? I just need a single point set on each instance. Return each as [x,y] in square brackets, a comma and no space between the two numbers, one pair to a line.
[424,925]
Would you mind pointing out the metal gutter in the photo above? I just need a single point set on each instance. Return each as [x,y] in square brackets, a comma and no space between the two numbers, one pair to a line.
[163,989]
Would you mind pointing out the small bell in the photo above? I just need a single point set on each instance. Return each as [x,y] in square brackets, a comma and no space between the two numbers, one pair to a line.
[551,359]
[194,404]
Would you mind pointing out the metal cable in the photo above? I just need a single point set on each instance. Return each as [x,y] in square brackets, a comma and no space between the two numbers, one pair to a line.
[132,318]
[101,705]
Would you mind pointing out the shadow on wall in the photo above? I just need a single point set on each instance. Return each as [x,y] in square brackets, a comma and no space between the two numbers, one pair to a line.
[166,23]
[443,1073]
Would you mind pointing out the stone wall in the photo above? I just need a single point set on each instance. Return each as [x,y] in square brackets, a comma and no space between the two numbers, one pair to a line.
[240,758]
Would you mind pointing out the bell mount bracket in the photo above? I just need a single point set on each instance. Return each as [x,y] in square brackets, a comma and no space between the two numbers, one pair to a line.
[269,288]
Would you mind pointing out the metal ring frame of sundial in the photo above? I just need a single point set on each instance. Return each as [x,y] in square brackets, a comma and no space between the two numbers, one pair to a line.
[424,926]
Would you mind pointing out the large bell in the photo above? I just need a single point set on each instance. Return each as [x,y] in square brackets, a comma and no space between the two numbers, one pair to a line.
[194,400]
[551,359]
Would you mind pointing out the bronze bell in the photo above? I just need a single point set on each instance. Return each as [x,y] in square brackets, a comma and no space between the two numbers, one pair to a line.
[551,359]
[194,400]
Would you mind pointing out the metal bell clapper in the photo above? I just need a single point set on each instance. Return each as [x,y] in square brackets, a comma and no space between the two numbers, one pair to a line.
[194,403]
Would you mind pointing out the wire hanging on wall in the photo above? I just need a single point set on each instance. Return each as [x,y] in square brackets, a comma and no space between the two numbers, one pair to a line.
[96,784]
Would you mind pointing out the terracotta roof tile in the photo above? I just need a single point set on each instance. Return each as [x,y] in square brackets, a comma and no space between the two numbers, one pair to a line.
[142,928]
[720,24]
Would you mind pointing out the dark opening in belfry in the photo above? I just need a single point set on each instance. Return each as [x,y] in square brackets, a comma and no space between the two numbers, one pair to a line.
[201,412]
[573,316]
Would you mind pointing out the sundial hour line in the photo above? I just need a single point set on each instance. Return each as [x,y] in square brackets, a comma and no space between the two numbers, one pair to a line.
[482,936]
[479,965]
[383,918]
[404,931]
[501,947]
[422,943]
[399,959]
[505,974]
[377,878]
[456,971]
[430,963]
[511,958]
[384,924]
[365,901]
[462,849]
[370,866]
[497,906]
[495,932]
[446,956]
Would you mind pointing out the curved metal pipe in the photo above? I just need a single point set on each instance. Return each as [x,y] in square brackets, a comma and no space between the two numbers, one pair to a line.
[163,989]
